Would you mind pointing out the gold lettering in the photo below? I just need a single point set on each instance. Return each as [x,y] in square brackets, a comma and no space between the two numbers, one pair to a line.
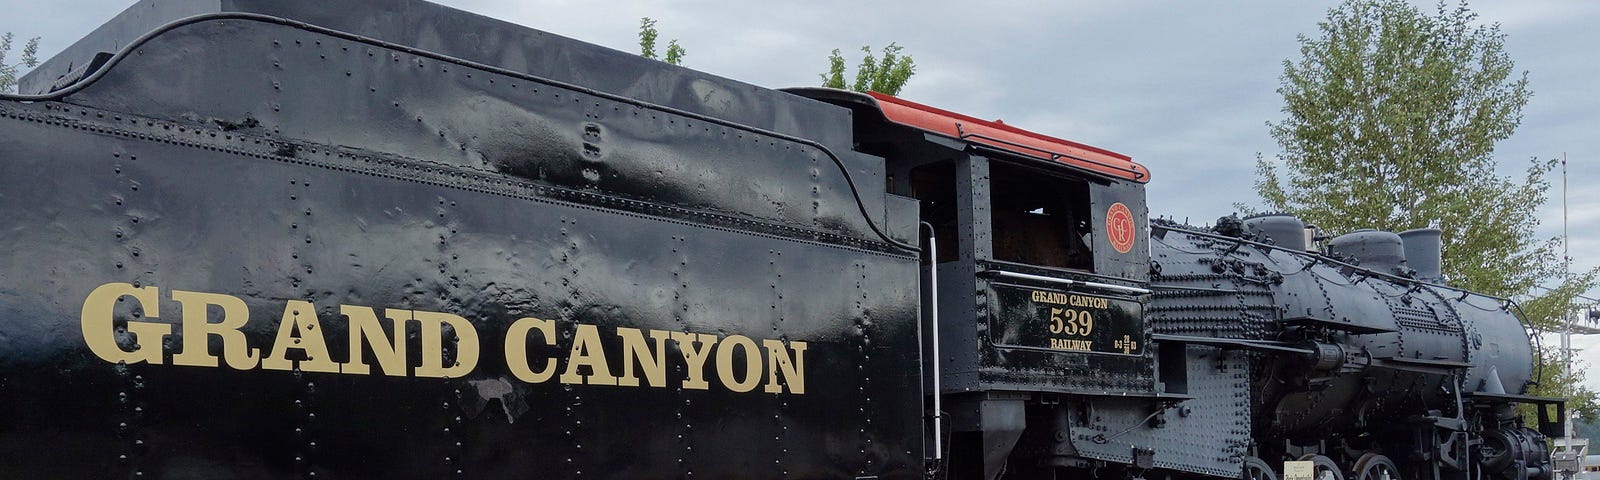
[793,369]
[301,316]
[197,331]
[1041,296]
[389,353]
[1091,302]
[588,352]
[1064,344]
[300,344]
[1067,321]
[695,358]
[99,326]
[654,365]
[433,324]
[517,349]
[752,364]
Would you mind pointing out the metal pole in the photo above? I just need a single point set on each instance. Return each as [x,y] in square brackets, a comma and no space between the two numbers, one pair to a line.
[933,305]
[1568,311]
[1566,266]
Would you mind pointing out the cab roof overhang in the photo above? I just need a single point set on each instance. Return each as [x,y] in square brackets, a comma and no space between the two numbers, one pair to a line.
[1008,138]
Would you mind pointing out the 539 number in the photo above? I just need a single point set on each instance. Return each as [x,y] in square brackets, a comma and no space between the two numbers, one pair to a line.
[1064,321]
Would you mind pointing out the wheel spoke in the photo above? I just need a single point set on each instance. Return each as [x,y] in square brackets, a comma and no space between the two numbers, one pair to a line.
[1372,466]
[1325,469]
[1256,469]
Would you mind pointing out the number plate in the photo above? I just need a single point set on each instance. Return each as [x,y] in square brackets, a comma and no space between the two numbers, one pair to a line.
[1035,318]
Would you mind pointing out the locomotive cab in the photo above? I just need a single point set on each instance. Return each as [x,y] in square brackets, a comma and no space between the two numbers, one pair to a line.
[1035,274]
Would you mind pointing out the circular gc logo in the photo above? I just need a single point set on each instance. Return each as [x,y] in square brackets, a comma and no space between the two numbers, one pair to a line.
[1119,227]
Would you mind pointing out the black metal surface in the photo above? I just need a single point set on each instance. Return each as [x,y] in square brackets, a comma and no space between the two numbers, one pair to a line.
[387,239]
[1392,324]
[277,165]
[1133,266]
[981,357]
[1369,350]
[1263,348]
[474,38]
[1046,319]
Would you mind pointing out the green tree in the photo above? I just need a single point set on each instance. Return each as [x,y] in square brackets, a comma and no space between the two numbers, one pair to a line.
[1391,119]
[885,75]
[10,72]
[647,43]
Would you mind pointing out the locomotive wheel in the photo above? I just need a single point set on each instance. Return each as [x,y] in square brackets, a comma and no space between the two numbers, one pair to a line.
[1325,468]
[1255,469]
[1373,466]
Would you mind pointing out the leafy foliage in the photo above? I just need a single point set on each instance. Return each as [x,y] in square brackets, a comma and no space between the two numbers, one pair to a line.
[885,75]
[1556,381]
[647,43]
[10,72]
[1391,120]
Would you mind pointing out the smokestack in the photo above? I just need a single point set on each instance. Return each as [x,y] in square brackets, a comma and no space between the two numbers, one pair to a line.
[1423,253]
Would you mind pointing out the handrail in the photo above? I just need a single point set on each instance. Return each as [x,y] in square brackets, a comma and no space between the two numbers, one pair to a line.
[1070,282]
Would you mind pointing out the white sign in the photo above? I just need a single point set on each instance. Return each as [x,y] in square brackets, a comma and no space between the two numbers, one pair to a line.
[1299,470]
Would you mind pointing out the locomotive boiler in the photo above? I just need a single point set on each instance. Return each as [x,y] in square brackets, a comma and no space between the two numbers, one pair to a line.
[389,239]
[1362,362]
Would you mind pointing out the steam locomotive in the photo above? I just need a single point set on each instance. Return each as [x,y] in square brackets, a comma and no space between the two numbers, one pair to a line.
[389,239]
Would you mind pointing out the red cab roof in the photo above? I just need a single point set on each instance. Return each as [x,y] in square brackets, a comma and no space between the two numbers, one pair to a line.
[1013,139]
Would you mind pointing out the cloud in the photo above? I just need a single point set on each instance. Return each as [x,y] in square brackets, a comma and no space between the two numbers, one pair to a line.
[1532,14]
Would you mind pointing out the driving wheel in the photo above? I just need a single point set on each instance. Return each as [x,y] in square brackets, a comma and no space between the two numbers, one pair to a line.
[1373,466]
[1255,469]
[1325,468]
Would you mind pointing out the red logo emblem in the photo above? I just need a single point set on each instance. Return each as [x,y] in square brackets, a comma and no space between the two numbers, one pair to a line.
[1119,227]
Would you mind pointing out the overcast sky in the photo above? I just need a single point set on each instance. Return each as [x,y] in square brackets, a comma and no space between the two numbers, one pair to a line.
[1184,87]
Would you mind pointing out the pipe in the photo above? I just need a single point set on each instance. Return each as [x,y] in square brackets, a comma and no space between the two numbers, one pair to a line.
[933,306]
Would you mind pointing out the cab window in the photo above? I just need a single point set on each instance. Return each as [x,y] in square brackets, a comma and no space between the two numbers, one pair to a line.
[1039,218]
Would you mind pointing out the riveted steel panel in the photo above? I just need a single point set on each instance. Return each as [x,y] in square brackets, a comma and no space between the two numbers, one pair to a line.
[305,178]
